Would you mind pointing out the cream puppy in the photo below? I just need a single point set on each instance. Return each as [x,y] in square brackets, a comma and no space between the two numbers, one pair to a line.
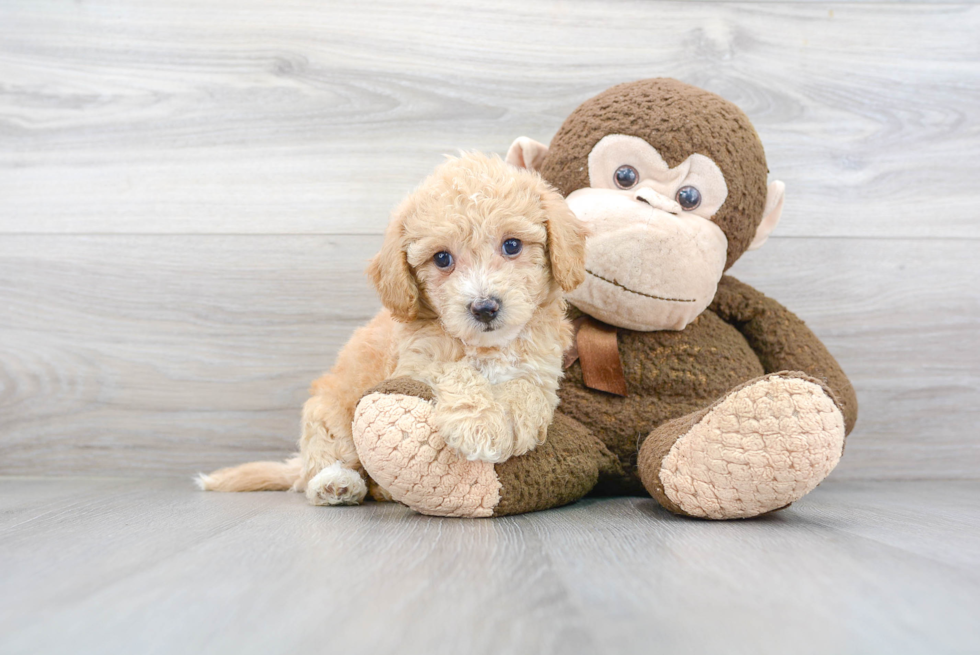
[471,275]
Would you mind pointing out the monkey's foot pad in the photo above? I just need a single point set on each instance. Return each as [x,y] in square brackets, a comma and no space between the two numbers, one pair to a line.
[761,448]
[402,452]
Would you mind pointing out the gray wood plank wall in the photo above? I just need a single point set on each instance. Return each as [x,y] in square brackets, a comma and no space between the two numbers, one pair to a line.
[189,191]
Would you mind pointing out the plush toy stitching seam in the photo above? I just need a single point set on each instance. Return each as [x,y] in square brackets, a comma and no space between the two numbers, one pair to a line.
[639,293]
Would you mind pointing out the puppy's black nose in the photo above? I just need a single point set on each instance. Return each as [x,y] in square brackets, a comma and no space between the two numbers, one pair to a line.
[485,310]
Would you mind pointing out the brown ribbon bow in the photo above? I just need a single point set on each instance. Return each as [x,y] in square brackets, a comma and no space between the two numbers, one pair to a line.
[595,345]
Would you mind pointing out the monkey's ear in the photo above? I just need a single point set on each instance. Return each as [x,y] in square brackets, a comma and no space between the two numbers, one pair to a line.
[526,153]
[566,240]
[391,274]
[771,214]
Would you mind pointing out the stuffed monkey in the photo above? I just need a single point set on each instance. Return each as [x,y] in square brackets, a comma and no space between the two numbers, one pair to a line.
[683,382]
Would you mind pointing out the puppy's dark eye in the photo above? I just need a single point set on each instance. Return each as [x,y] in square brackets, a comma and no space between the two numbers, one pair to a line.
[443,259]
[688,197]
[626,177]
[513,247]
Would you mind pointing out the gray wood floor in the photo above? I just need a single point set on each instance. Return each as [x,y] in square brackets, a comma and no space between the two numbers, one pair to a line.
[153,566]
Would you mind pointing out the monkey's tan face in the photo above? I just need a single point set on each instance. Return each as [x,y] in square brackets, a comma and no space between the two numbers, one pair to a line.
[654,257]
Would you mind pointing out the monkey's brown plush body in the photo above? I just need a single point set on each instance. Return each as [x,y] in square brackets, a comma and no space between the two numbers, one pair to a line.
[685,384]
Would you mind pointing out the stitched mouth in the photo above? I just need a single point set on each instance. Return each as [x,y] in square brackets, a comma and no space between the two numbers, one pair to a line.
[637,293]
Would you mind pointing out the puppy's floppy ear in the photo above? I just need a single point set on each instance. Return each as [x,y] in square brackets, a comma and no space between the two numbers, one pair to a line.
[566,240]
[390,272]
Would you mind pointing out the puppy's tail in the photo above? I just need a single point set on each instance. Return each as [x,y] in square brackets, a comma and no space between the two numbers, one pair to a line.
[254,476]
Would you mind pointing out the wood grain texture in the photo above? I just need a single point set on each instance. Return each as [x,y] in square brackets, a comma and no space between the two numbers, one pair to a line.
[189,192]
[247,116]
[152,566]
[168,353]
[171,354]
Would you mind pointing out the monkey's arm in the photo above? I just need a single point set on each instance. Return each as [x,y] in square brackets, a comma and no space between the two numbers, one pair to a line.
[782,341]
[401,448]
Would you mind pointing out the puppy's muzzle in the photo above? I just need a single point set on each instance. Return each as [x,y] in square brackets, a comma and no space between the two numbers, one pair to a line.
[485,309]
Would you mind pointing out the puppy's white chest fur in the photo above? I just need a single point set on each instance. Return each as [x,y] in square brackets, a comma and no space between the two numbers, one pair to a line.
[498,369]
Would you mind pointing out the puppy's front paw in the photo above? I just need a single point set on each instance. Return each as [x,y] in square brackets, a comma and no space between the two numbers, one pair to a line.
[529,432]
[336,485]
[487,437]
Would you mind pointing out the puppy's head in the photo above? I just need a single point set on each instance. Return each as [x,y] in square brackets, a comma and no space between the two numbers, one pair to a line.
[480,245]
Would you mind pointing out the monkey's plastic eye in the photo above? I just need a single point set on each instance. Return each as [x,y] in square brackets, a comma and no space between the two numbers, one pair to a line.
[688,197]
[443,259]
[626,177]
[513,247]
